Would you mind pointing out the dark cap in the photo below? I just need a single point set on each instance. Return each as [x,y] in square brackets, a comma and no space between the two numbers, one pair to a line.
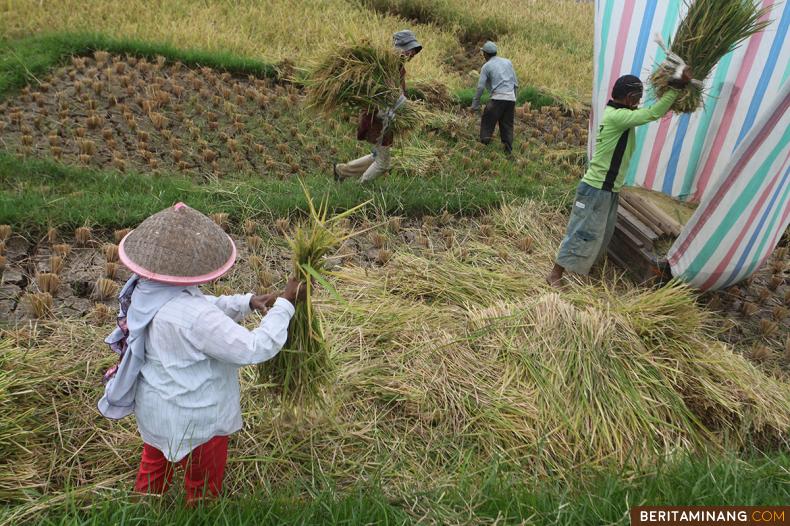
[626,85]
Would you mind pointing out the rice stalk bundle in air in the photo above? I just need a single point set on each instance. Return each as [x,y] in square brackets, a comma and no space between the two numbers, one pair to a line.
[362,77]
[710,30]
[303,367]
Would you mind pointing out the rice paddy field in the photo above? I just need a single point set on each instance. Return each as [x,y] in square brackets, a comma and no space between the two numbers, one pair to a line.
[461,388]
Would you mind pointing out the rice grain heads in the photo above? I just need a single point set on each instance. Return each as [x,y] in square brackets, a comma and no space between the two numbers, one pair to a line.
[710,30]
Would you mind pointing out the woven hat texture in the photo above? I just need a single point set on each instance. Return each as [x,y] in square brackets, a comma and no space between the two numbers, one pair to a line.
[178,245]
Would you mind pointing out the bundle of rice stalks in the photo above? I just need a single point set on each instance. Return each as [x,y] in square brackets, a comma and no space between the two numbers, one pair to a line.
[359,76]
[110,252]
[55,264]
[62,249]
[303,368]
[711,30]
[111,270]
[82,235]
[362,77]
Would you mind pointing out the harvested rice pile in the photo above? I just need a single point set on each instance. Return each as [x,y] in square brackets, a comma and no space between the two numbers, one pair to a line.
[444,359]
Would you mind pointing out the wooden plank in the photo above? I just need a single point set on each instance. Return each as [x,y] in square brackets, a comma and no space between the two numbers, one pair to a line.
[629,236]
[645,220]
[666,223]
[638,227]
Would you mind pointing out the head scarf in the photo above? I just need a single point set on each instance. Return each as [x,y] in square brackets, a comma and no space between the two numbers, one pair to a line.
[139,300]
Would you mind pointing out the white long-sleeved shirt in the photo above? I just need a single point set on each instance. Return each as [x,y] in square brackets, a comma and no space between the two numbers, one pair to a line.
[188,389]
[498,76]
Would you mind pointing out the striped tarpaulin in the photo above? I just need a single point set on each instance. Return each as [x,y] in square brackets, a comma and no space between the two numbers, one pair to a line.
[740,221]
[731,156]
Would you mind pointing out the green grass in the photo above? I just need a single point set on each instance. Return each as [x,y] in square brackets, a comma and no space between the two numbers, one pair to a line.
[484,497]
[39,192]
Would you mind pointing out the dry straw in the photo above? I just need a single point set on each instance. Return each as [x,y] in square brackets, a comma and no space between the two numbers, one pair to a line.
[40,304]
[434,373]
[61,250]
[48,282]
[110,252]
[82,235]
[105,289]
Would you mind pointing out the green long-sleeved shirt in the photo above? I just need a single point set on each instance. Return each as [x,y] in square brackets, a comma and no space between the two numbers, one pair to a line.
[615,142]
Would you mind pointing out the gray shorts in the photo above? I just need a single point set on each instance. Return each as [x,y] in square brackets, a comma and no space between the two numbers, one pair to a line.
[590,228]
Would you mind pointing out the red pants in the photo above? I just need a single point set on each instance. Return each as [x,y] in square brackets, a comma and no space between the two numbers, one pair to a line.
[204,469]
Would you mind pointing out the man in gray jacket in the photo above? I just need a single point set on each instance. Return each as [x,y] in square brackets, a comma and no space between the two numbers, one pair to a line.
[499,78]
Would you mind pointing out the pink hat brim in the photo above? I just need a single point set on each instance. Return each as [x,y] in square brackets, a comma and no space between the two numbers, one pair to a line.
[176,280]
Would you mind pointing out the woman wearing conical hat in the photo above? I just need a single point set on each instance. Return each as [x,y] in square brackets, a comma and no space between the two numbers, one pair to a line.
[181,350]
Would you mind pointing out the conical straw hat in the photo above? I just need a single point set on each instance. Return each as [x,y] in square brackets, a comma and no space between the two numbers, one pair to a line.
[179,246]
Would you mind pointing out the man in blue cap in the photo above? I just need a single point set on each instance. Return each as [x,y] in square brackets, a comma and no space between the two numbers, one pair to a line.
[499,78]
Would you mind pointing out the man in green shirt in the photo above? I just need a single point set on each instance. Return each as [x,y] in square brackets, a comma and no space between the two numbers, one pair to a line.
[594,213]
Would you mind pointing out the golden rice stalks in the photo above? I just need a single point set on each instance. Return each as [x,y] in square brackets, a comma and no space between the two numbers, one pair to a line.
[52,235]
[304,368]
[55,264]
[221,219]
[48,282]
[102,313]
[110,270]
[418,158]
[62,249]
[40,304]
[360,76]
[110,252]
[5,232]
[255,243]
[2,263]
[710,30]
[105,289]
[250,226]
[82,235]
[265,278]
[120,234]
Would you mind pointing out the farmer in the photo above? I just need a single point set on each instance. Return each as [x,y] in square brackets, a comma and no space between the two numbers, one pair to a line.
[372,127]
[499,78]
[594,213]
[181,350]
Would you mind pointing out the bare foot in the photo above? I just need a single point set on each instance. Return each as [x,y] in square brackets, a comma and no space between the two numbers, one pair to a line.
[554,280]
